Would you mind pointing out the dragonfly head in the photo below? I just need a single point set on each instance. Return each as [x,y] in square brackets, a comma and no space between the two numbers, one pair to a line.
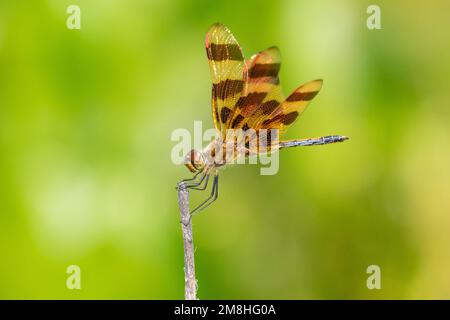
[194,161]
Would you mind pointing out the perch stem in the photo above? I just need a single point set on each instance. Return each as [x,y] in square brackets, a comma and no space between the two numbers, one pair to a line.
[190,282]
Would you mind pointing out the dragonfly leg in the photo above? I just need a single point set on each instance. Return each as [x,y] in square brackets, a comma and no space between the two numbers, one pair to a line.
[212,197]
[191,183]
[188,180]
[197,186]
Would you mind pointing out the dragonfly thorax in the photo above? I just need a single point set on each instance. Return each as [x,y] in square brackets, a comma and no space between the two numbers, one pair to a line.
[219,153]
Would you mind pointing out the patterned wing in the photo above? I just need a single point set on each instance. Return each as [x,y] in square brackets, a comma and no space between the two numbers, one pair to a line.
[290,109]
[263,92]
[282,116]
[228,73]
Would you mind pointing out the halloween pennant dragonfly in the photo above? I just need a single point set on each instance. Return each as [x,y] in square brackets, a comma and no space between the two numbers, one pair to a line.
[246,97]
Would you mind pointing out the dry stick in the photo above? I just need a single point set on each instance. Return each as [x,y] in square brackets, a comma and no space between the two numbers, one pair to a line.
[190,282]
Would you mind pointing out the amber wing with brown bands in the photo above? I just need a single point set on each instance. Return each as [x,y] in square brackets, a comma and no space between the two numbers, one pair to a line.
[263,91]
[291,108]
[228,74]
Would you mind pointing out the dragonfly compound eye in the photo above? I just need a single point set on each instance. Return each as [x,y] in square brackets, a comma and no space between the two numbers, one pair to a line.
[194,160]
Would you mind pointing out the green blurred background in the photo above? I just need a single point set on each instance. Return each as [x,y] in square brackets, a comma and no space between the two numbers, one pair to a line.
[86,176]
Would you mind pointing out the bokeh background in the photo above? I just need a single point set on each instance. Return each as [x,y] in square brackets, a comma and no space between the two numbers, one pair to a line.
[86,176]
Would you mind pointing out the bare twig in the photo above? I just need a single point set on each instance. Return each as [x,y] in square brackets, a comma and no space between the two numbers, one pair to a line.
[190,282]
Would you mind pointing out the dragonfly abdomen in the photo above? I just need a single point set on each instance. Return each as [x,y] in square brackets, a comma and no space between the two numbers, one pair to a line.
[312,141]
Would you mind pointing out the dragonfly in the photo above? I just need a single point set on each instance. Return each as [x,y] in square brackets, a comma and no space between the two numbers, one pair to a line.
[246,97]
